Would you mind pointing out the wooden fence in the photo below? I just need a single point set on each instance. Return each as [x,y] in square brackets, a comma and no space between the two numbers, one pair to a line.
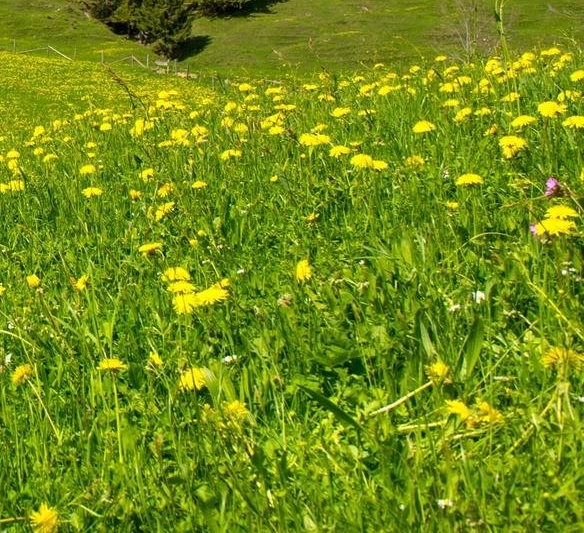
[161,66]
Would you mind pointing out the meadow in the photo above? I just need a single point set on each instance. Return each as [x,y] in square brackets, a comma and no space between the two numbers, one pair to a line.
[312,303]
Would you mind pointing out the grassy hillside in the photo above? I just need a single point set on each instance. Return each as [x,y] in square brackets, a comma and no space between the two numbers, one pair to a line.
[307,34]
[342,33]
[33,24]
[346,302]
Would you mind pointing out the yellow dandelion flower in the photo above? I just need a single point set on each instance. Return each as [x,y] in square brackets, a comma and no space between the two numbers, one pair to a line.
[181,287]
[451,102]
[449,87]
[562,357]
[91,192]
[49,158]
[12,165]
[163,210]
[415,161]
[453,206]
[199,184]
[33,281]
[245,87]
[21,374]
[241,129]
[212,295]
[147,174]
[276,130]
[149,248]
[522,121]
[437,372]
[512,145]
[106,126]
[463,114]
[164,190]
[551,109]
[192,379]
[45,520]
[572,96]
[339,112]
[199,131]
[339,150]
[379,165]
[554,227]
[81,283]
[577,75]
[87,169]
[154,360]
[483,112]
[492,130]
[303,270]
[274,178]
[175,274]
[38,131]
[135,195]
[548,52]
[574,122]
[314,139]
[184,303]
[235,410]
[486,414]
[366,161]
[561,212]
[228,154]
[511,97]
[111,364]
[459,408]
[13,154]
[469,179]
[15,185]
[423,126]
[312,218]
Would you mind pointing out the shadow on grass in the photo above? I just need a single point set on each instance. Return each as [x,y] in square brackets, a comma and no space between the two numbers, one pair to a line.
[248,9]
[193,46]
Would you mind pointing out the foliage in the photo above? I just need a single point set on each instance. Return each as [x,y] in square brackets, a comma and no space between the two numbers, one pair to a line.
[239,307]
[164,24]
[220,7]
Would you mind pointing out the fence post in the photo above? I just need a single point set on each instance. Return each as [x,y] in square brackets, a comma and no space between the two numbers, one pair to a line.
[14,45]
[148,60]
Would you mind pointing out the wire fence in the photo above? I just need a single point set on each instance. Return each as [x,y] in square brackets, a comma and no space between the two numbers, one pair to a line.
[156,64]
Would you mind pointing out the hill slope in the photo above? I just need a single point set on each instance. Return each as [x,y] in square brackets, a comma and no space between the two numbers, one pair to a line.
[307,34]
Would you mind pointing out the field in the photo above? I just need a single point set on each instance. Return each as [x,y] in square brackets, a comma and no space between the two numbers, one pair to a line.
[274,36]
[343,299]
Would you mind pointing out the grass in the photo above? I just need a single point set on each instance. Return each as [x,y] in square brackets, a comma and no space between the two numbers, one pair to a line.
[303,35]
[290,305]
[36,24]
[281,301]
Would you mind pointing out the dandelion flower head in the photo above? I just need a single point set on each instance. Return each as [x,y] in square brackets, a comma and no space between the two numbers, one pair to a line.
[45,520]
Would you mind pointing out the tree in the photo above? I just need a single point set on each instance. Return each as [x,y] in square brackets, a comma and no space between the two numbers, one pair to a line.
[164,24]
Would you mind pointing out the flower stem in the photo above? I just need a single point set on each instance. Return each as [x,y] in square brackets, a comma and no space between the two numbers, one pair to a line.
[118,424]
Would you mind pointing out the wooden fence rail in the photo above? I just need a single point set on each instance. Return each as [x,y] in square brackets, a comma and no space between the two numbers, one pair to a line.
[162,66]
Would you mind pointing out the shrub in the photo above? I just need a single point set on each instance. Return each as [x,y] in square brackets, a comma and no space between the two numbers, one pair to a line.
[220,7]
